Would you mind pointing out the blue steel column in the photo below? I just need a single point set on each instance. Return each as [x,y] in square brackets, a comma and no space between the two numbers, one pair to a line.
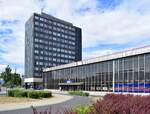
[113,75]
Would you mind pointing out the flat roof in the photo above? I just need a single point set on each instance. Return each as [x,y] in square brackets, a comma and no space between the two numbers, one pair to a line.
[117,55]
[48,16]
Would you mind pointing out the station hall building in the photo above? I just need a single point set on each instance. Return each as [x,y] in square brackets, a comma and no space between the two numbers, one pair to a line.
[126,71]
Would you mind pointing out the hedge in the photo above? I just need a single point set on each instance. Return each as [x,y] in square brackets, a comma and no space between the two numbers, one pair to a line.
[80,93]
[36,94]
[20,93]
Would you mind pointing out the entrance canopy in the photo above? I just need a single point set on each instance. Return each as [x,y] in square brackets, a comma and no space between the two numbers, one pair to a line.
[71,86]
[27,80]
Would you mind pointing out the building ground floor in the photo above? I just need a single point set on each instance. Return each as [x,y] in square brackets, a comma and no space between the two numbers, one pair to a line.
[127,71]
[35,83]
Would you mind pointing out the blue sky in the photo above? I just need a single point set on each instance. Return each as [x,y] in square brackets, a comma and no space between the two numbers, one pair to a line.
[107,25]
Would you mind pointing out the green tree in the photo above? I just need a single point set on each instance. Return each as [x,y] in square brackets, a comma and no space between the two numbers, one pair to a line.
[6,75]
[10,78]
[16,80]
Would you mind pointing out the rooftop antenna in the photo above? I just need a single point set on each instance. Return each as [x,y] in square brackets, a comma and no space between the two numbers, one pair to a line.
[42,10]
[15,70]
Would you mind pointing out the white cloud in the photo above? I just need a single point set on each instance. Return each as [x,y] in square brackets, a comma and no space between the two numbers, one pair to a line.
[2,68]
[93,54]
[129,22]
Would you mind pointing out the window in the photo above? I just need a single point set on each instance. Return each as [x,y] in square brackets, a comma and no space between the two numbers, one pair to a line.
[66,36]
[50,27]
[46,26]
[41,19]
[41,24]
[41,63]
[54,33]
[37,63]
[41,52]
[58,34]
[49,32]
[36,17]
[73,29]
[36,23]
[41,58]
[62,25]
[36,45]
[49,21]
[66,56]
[54,59]
[36,68]
[54,38]
[62,30]
[36,40]
[45,58]
[62,55]
[54,54]
[36,51]
[58,24]
[46,47]
[54,28]
[66,61]
[62,60]
[58,60]
[36,57]
[54,49]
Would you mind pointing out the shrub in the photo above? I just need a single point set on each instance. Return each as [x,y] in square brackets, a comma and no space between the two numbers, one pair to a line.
[80,93]
[34,94]
[119,104]
[82,110]
[45,94]
[29,93]
[11,93]
[20,93]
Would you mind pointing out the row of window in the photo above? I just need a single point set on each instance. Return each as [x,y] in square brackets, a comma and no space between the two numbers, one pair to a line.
[40,46]
[64,31]
[55,34]
[42,25]
[43,19]
[54,54]
[54,23]
[55,39]
[54,60]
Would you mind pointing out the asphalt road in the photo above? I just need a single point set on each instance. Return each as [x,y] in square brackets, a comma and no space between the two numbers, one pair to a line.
[55,108]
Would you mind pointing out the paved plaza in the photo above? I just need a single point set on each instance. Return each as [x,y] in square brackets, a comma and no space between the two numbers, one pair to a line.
[58,103]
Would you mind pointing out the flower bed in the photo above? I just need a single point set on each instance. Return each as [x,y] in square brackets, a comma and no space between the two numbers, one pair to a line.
[118,104]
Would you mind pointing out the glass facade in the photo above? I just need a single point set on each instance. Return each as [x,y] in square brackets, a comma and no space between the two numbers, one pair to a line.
[50,42]
[132,74]
[127,74]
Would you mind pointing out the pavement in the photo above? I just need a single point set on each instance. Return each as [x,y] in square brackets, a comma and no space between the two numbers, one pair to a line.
[41,102]
[102,94]
[57,104]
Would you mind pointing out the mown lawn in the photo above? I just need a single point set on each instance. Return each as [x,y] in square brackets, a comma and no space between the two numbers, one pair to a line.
[5,99]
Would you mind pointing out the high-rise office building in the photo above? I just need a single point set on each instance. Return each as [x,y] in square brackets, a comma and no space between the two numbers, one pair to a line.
[49,41]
